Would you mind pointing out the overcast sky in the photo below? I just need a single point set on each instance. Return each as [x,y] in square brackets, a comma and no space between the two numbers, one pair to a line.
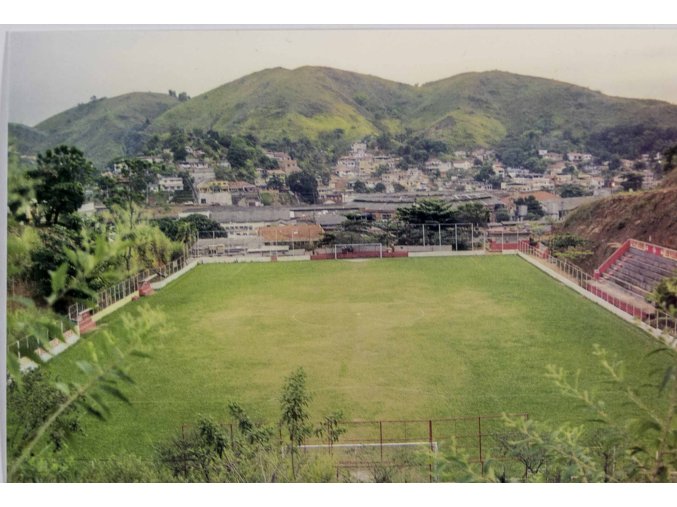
[53,71]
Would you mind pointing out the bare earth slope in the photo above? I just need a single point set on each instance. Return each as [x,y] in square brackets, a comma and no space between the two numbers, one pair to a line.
[648,216]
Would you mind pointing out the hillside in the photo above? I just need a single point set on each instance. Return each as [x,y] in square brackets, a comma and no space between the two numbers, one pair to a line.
[647,216]
[465,111]
[497,102]
[26,139]
[278,103]
[104,129]
[468,110]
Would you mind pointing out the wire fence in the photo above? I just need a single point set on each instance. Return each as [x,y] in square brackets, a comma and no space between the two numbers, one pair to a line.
[658,320]
[410,449]
[457,236]
[128,287]
[407,450]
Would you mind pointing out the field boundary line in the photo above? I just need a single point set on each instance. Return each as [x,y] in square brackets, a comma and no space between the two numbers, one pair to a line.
[595,299]
[161,284]
[448,253]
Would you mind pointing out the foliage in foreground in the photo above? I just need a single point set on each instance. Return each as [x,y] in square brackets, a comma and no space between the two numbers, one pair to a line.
[44,414]
[604,450]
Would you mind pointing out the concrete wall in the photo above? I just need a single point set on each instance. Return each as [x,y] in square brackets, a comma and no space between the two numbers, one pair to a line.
[171,278]
[114,307]
[222,198]
[671,342]
[245,258]
[447,253]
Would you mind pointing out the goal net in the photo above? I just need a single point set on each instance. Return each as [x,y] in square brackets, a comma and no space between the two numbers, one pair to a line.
[358,250]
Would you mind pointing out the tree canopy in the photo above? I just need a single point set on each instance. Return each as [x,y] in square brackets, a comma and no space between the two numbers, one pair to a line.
[427,211]
[305,185]
[60,179]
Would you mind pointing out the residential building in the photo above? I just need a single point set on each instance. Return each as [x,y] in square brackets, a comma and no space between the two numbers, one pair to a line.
[170,184]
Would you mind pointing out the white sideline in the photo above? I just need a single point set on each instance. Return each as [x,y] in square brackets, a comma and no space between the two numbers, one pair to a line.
[372,444]
[671,342]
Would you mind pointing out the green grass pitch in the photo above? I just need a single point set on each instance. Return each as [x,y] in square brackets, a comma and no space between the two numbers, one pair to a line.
[410,338]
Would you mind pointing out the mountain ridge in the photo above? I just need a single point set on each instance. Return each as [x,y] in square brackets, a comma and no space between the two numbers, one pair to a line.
[472,109]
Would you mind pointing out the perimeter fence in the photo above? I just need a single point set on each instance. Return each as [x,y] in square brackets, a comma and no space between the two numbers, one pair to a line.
[413,450]
[660,322]
[121,290]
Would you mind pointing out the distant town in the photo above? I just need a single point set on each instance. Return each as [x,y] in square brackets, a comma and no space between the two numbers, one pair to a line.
[373,184]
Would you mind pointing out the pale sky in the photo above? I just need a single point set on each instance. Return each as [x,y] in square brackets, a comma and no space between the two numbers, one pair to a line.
[54,70]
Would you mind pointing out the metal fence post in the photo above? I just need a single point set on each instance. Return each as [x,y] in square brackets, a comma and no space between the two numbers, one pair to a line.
[479,435]
[430,439]
[380,428]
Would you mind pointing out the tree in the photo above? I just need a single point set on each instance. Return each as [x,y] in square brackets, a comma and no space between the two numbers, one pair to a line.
[104,373]
[360,187]
[571,190]
[294,403]
[502,215]
[30,404]
[194,456]
[427,211]
[331,428]
[665,295]
[239,152]
[49,254]
[60,179]
[144,245]
[183,97]
[379,188]
[475,213]
[131,187]
[304,185]
[485,174]
[670,156]
[615,164]
[200,223]
[275,183]
[632,181]
[534,207]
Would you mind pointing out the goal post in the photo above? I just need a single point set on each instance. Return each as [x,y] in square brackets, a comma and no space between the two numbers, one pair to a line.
[358,250]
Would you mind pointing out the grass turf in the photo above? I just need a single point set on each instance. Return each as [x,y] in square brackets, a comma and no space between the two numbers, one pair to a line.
[389,339]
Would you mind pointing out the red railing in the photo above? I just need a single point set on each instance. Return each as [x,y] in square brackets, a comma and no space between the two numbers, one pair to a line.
[660,322]
[611,260]
[661,251]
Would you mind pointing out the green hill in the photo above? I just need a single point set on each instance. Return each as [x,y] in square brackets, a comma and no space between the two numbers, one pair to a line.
[278,103]
[104,128]
[26,139]
[465,111]
[495,103]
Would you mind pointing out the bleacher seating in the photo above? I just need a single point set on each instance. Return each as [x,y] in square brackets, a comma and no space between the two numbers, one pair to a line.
[639,272]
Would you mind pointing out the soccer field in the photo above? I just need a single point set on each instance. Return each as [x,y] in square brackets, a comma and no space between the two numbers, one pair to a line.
[415,338]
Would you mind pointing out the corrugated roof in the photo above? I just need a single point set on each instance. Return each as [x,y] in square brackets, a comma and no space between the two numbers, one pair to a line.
[300,232]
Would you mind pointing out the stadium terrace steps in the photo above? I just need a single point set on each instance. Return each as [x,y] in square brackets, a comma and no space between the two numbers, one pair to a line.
[639,272]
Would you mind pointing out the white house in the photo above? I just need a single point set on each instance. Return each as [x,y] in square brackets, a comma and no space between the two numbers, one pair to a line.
[170,184]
